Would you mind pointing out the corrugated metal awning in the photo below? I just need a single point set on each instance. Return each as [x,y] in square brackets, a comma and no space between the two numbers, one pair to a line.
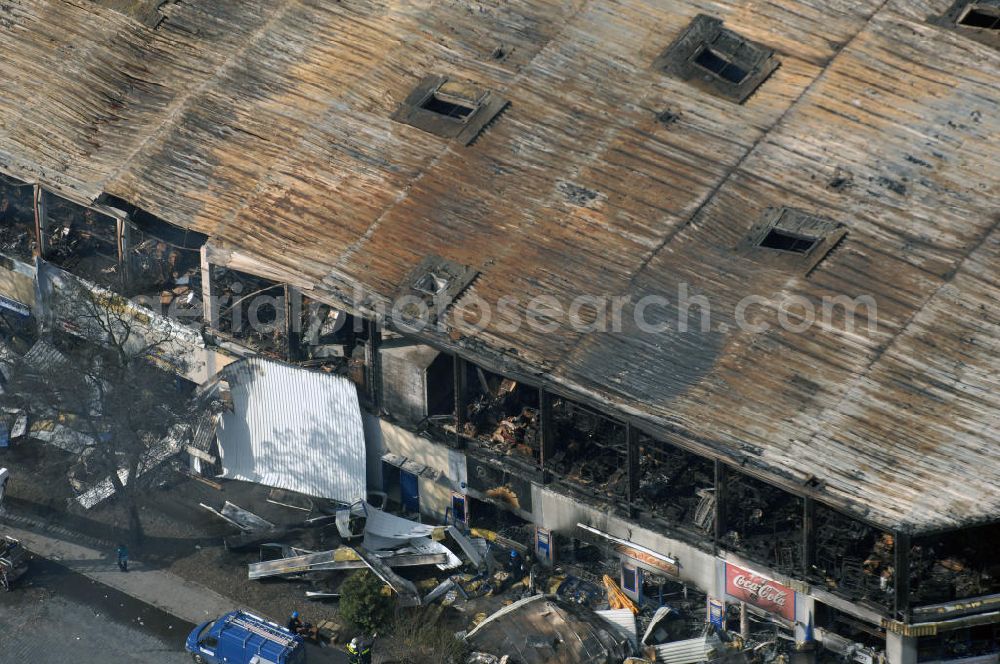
[293,429]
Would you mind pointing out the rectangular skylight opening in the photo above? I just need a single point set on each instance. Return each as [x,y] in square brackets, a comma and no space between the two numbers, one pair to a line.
[784,241]
[720,66]
[977,16]
[450,108]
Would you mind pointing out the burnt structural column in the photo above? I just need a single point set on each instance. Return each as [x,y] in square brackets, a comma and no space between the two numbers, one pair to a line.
[721,481]
[41,222]
[632,459]
[209,301]
[123,236]
[545,433]
[459,374]
[374,348]
[808,534]
[901,551]
[293,322]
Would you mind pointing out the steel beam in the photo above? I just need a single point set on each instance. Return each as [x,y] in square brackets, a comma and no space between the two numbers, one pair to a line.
[545,433]
[632,462]
[901,555]
[721,486]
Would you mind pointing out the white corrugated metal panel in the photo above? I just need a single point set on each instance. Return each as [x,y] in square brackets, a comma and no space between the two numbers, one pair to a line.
[624,621]
[690,651]
[43,356]
[293,429]
[387,531]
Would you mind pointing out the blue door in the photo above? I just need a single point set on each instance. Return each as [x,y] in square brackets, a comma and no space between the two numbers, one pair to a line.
[409,492]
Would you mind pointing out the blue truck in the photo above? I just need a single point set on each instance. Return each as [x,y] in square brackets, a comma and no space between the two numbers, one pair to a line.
[243,638]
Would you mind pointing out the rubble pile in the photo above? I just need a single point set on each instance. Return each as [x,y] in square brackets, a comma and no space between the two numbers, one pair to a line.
[504,416]
[161,270]
[235,291]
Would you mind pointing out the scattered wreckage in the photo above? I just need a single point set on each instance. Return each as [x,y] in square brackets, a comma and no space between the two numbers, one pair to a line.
[546,630]
[389,542]
[13,562]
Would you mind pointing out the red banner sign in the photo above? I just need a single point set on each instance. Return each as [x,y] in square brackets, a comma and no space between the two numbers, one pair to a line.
[648,560]
[761,592]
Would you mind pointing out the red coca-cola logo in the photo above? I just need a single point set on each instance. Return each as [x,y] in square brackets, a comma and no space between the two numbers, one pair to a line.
[759,591]
[765,591]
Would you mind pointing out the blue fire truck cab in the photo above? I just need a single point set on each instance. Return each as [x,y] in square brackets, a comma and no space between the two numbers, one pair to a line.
[243,638]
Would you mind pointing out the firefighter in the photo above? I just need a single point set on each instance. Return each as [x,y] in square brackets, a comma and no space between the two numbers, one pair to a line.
[122,553]
[360,650]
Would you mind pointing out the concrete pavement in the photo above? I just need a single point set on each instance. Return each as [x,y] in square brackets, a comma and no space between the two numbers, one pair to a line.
[78,615]
[166,591]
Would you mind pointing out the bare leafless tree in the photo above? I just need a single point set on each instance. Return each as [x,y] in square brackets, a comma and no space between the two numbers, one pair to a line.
[110,378]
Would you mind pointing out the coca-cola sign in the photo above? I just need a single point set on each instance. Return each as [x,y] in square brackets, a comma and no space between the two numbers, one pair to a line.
[760,591]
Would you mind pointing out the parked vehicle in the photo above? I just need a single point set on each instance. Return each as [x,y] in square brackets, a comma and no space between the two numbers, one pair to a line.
[243,638]
[13,562]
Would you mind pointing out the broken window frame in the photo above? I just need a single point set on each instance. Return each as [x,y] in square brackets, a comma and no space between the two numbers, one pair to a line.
[794,223]
[983,10]
[454,278]
[706,34]
[952,19]
[725,62]
[484,106]
[793,240]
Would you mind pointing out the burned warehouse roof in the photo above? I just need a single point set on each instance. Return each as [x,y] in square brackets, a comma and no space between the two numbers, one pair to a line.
[816,148]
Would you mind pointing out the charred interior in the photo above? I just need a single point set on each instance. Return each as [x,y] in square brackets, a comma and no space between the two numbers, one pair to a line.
[83,242]
[501,414]
[251,310]
[324,336]
[852,558]
[17,219]
[967,642]
[955,565]
[590,450]
[675,485]
[163,262]
[764,522]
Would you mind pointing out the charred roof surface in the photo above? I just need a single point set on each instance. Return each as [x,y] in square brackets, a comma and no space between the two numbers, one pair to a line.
[269,127]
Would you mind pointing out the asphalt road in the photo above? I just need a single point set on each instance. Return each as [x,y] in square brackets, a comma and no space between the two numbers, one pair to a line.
[55,616]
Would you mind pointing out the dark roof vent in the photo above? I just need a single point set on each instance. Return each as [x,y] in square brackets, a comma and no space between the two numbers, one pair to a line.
[793,238]
[976,19]
[717,60]
[450,109]
[436,282]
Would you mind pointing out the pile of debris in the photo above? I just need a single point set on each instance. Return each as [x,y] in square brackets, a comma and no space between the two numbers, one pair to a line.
[504,417]
[17,221]
[170,273]
[237,290]
[388,543]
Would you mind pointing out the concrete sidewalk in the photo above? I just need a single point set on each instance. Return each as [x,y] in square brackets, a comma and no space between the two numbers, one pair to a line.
[168,592]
